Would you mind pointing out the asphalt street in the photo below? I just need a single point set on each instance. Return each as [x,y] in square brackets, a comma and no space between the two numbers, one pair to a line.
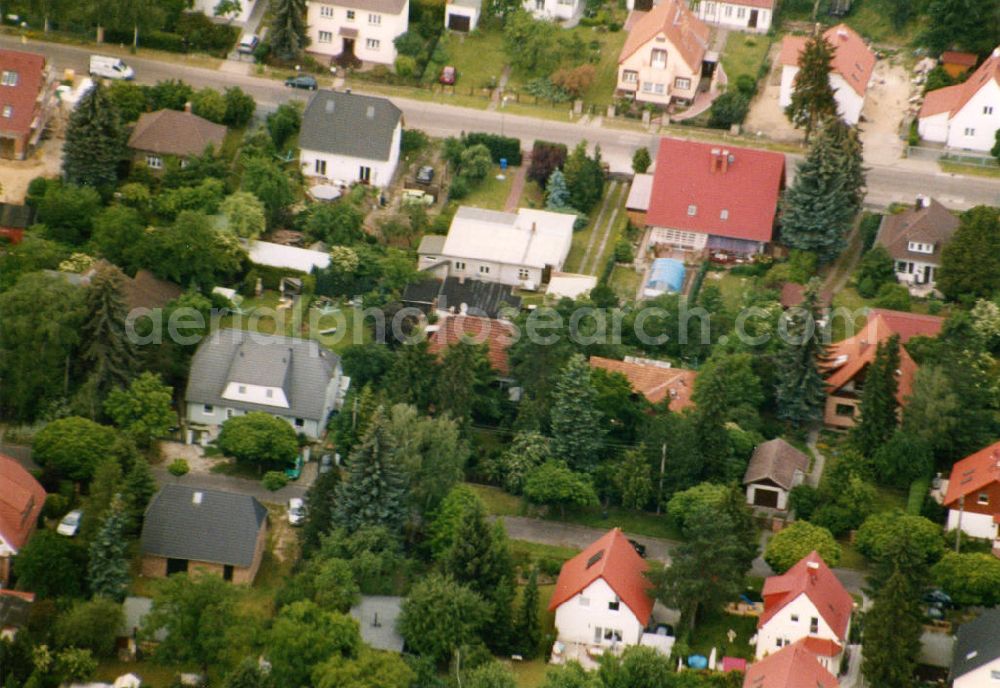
[900,182]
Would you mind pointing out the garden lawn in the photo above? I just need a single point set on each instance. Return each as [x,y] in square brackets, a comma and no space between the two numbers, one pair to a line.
[732,287]
[532,674]
[498,502]
[477,57]
[492,192]
[631,522]
[625,282]
[151,673]
[602,92]
[711,632]
[744,54]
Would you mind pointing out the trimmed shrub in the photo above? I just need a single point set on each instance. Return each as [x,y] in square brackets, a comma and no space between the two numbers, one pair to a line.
[56,505]
[274,480]
[178,467]
[505,147]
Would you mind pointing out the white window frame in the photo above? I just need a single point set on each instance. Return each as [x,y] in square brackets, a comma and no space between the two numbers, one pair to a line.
[8,111]
[208,409]
[987,109]
[460,265]
[630,76]
[654,58]
[523,273]
[484,269]
[682,82]
[326,11]
[8,78]
[372,43]
[325,37]
[970,131]
[375,19]
[154,162]
[320,167]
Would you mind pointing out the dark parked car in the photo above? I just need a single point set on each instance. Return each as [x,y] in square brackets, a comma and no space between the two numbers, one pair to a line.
[302,81]
[448,76]
[640,548]
[425,175]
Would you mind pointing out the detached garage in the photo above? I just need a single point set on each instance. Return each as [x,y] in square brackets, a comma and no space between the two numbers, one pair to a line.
[462,15]
[774,469]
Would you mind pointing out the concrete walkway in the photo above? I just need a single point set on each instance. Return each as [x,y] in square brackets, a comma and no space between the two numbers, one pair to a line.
[598,223]
[819,460]
[517,185]
[609,227]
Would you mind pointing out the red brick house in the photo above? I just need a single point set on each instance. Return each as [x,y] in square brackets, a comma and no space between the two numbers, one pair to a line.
[21,502]
[973,495]
[26,95]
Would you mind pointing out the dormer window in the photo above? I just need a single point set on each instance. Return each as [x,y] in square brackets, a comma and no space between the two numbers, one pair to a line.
[692,210]
[920,247]
[243,389]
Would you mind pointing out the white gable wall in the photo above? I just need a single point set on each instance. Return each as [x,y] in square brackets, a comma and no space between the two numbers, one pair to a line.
[752,489]
[324,22]
[849,103]
[974,525]
[782,627]
[934,128]
[986,676]
[733,16]
[578,617]
[348,169]
[974,127]
[552,9]
[6,549]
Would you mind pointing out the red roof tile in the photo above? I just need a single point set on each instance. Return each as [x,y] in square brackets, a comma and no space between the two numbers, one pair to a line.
[852,59]
[618,565]
[22,97]
[951,99]
[849,357]
[653,382]
[793,666]
[21,501]
[685,32]
[498,335]
[822,647]
[737,199]
[958,58]
[973,473]
[816,582]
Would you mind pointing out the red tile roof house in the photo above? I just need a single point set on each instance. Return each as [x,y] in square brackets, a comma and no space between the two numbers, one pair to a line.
[966,115]
[21,502]
[603,601]
[26,101]
[853,64]
[847,361]
[806,603]
[655,380]
[973,495]
[794,666]
[498,335]
[709,196]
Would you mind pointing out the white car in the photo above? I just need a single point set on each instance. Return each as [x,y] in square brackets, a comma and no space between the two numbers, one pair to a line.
[296,511]
[70,523]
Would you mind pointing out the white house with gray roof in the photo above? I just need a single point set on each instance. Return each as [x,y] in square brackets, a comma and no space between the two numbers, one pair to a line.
[976,662]
[350,138]
[234,372]
[366,29]
[520,249]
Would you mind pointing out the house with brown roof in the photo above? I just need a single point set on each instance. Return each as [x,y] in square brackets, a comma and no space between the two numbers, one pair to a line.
[793,666]
[966,115]
[847,361]
[774,469]
[972,496]
[663,55]
[808,604]
[452,329]
[172,134]
[603,601]
[956,63]
[21,502]
[26,102]
[742,15]
[915,239]
[657,381]
[853,64]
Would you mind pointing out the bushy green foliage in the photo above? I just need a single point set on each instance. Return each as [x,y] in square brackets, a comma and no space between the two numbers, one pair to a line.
[274,480]
[178,467]
[797,541]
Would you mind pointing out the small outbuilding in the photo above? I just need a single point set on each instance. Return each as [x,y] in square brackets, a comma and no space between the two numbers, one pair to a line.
[774,469]
[462,15]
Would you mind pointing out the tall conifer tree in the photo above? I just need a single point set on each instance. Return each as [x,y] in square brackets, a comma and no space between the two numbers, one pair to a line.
[374,493]
[577,430]
[879,407]
[800,391]
[110,355]
[812,96]
[95,141]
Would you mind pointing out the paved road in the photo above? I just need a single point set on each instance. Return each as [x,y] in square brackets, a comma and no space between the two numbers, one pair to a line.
[570,535]
[900,182]
[211,481]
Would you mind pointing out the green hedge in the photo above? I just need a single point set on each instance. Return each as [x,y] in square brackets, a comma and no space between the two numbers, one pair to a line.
[696,284]
[915,500]
[500,146]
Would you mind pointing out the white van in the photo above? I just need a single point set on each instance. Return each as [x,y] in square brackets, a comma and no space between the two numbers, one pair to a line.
[248,44]
[110,68]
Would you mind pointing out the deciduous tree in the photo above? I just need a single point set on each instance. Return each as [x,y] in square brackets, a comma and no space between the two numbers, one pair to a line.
[439,615]
[50,565]
[554,483]
[304,635]
[72,447]
[259,438]
[92,625]
[970,269]
[796,542]
[641,160]
[245,214]
[144,411]
[970,579]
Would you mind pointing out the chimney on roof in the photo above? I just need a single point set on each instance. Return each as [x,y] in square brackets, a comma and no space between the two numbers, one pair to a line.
[725,161]
[715,160]
[187,107]
[196,497]
[922,201]
[347,91]
[812,568]
[534,227]
[842,34]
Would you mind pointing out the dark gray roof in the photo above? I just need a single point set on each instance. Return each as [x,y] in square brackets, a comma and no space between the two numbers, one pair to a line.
[777,461]
[978,643]
[349,124]
[222,528]
[376,616]
[928,224]
[301,367]
[480,298]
